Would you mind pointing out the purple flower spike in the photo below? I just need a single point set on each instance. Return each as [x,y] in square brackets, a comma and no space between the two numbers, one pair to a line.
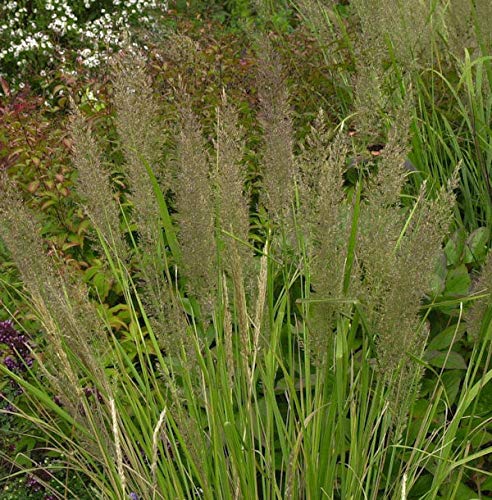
[10,363]
[8,334]
[133,496]
[18,352]
[33,484]
[10,408]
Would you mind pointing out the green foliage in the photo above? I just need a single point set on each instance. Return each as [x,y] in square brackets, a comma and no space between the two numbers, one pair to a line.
[241,14]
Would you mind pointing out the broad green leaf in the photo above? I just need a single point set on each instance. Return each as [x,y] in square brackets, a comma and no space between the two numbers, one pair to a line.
[421,486]
[484,404]
[438,279]
[443,339]
[23,461]
[452,382]
[448,360]
[462,492]
[476,245]
[481,437]
[457,282]
[454,248]
[487,484]
[102,285]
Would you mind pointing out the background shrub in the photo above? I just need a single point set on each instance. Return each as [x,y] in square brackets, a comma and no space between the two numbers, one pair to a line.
[39,35]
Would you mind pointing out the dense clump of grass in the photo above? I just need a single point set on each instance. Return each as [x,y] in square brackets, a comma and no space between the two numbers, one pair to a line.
[276,121]
[439,52]
[288,368]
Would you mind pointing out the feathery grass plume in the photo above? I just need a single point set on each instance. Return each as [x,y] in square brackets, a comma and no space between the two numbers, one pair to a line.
[482,16]
[165,314]
[55,364]
[403,33]
[137,124]
[370,100]
[72,324]
[459,27]
[185,53]
[411,27]
[380,224]
[195,206]
[316,14]
[401,334]
[371,81]
[233,209]
[20,232]
[229,177]
[276,120]
[478,311]
[228,334]
[371,42]
[320,166]
[326,222]
[94,185]
[370,49]
[68,318]
[61,296]
[322,20]
[381,217]
[398,255]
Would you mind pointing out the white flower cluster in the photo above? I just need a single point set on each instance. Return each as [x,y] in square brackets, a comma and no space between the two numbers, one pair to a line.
[37,33]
